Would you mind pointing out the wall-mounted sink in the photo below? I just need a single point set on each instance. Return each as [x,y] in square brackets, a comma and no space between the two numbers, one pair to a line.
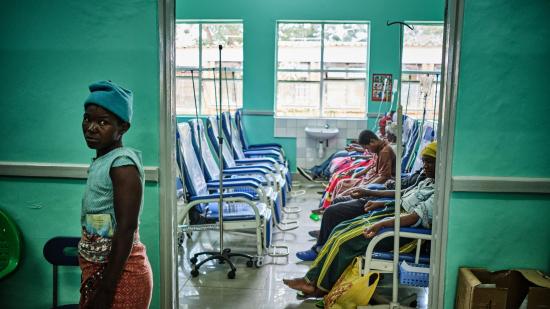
[321,134]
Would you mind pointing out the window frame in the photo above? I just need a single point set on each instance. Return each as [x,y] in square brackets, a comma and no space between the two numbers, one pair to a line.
[322,69]
[200,69]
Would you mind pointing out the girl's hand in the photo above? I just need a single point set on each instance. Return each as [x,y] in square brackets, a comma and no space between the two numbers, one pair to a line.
[102,298]
[371,231]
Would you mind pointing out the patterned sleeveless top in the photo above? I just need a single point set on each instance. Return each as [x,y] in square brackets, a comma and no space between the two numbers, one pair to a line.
[97,217]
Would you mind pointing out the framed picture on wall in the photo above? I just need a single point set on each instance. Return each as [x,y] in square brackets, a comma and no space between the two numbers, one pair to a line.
[381,87]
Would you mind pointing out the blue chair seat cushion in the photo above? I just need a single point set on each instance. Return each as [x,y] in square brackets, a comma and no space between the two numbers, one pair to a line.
[235,211]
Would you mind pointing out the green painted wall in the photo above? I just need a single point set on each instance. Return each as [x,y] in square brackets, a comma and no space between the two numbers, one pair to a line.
[260,18]
[501,130]
[49,52]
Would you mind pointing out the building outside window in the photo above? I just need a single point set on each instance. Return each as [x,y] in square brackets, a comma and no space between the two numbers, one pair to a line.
[197,62]
[322,69]
[421,70]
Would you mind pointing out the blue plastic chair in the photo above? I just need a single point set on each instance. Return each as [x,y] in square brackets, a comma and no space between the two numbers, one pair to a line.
[240,153]
[410,131]
[241,210]
[55,251]
[230,131]
[212,172]
[242,134]
[428,135]
[383,261]
[271,166]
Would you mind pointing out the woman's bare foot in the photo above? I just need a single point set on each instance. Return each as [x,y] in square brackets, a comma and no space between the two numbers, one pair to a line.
[300,284]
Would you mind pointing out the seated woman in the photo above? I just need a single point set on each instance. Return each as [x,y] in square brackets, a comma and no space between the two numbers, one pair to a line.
[380,168]
[353,171]
[327,167]
[348,207]
[347,239]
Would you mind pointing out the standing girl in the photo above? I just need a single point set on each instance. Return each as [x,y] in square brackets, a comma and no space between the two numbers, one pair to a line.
[115,269]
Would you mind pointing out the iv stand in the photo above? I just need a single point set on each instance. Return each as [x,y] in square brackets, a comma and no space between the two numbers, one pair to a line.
[224,254]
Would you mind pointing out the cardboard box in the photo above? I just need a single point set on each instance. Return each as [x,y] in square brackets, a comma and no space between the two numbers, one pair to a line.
[480,288]
[539,290]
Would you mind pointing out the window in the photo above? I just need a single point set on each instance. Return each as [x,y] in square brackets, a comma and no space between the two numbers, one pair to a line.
[322,69]
[421,69]
[197,61]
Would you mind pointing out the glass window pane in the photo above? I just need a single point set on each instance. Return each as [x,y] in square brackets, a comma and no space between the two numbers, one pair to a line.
[298,94]
[422,48]
[187,45]
[185,101]
[299,46]
[210,96]
[344,95]
[418,91]
[345,46]
[231,90]
[230,36]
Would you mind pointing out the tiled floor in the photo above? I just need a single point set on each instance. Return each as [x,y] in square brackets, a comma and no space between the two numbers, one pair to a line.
[259,288]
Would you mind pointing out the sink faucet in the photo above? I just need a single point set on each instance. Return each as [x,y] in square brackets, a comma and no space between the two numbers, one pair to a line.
[326,125]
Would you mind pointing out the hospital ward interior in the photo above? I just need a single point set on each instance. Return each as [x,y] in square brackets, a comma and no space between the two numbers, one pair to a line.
[275,154]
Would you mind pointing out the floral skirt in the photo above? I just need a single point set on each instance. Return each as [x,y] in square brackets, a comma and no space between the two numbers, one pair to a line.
[134,289]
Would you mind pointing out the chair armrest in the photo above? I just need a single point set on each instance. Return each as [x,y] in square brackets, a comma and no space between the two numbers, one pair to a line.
[245,170]
[233,184]
[241,178]
[376,186]
[257,160]
[264,154]
[407,230]
[225,195]
[263,166]
[275,145]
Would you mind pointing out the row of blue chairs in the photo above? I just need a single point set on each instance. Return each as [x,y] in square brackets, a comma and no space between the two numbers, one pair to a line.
[255,183]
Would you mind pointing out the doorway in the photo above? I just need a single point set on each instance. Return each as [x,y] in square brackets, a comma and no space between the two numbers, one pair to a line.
[449,78]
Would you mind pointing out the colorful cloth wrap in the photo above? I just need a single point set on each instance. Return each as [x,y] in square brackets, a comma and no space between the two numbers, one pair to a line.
[135,286]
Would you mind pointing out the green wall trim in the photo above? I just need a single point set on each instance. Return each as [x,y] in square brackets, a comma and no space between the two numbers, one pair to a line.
[501,184]
[60,170]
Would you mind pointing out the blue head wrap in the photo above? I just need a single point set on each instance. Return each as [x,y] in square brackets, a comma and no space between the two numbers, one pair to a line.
[112,97]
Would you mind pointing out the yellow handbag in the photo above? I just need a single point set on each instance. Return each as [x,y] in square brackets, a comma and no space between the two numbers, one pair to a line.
[352,290]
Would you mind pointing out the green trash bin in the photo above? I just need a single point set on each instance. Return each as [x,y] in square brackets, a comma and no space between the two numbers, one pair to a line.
[10,245]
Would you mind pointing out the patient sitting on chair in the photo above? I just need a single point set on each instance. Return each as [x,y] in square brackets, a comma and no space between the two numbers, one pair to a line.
[350,238]
[348,207]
